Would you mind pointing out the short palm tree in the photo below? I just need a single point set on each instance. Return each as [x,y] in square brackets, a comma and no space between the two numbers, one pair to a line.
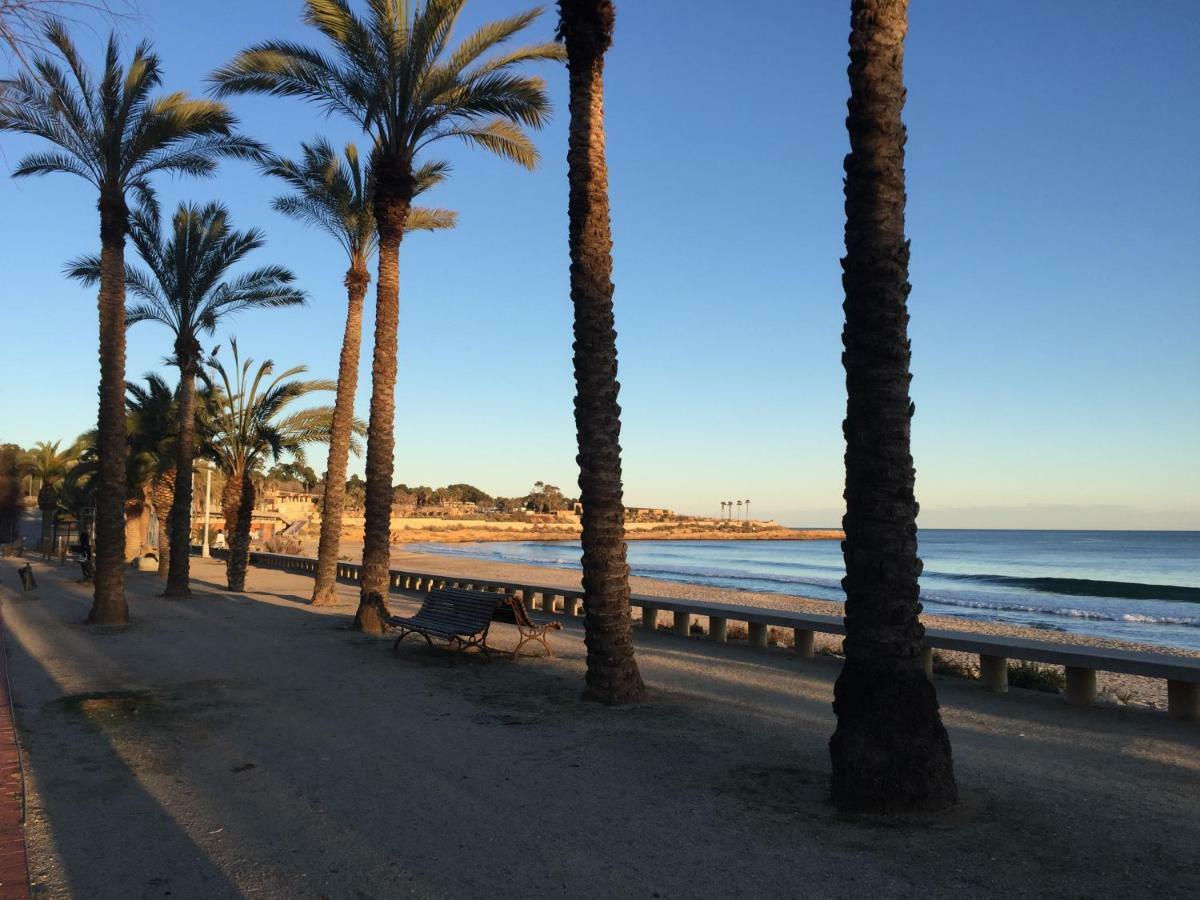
[50,465]
[586,27]
[334,194]
[154,424]
[189,289]
[392,72]
[890,751]
[250,425]
[117,136]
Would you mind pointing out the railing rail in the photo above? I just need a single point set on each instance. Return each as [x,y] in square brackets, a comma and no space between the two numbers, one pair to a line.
[1080,662]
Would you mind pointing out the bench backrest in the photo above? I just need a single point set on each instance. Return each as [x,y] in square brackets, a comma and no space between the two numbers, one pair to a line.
[468,611]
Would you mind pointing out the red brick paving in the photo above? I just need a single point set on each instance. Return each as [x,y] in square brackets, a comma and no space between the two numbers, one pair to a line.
[14,868]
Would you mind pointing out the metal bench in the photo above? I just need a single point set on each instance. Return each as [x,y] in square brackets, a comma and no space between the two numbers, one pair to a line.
[463,618]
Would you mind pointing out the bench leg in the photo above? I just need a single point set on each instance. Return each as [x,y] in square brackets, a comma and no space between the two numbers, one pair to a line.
[805,643]
[1081,686]
[1183,700]
[683,624]
[993,672]
[758,635]
[650,617]
[718,629]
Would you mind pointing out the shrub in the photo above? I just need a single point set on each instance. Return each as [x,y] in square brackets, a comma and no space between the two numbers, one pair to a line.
[1036,677]
[944,664]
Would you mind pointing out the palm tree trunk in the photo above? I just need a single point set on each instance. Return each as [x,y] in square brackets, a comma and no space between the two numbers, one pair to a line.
[181,526]
[393,196]
[163,493]
[890,751]
[612,671]
[237,503]
[108,606]
[325,589]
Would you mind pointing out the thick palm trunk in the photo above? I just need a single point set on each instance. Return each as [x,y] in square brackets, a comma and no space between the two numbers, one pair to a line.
[612,672]
[890,751]
[181,525]
[162,492]
[237,503]
[108,606]
[325,589]
[393,196]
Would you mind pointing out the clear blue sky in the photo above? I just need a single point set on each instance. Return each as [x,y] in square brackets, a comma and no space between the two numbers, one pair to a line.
[1053,197]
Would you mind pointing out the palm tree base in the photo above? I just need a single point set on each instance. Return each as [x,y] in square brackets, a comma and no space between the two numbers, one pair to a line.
[368,618]
[890,753]
[324,596]
[176,594]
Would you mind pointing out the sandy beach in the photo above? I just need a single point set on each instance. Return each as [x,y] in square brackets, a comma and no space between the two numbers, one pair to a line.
[248,745]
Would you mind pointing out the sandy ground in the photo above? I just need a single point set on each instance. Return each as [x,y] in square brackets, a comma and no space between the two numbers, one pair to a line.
[257,748]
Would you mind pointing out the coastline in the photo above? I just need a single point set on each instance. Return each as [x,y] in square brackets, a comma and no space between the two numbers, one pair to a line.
[633,532]
[1115,688]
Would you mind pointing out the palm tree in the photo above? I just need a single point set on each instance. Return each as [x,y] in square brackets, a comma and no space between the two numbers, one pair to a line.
[392,73]
[154,422]
[585,27]
[890,751]
[188,289]
[334,194]
[747,510]
[50,466]
[250,425]
[739,509]
[722,509]
[117,136]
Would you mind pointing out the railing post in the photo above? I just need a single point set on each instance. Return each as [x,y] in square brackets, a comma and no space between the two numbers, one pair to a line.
[1183,700]
[993,672]
[718,628]
[758,635]
[805,643]
[683,623]
[649,617]
[1081,686]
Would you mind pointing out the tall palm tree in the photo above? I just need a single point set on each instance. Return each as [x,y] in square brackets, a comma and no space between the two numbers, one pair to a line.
[251,424]
[890,751]
[739,509]
[391,71]
[117,136]
[722,509]
[334,194]
[50,466]
[154,422]
[586,27]
[747,510]
[188,288]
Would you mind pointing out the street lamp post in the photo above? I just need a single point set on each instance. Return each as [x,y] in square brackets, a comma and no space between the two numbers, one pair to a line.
[208,470]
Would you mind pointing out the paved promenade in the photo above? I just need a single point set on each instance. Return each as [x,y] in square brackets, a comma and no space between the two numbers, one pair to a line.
[248,745]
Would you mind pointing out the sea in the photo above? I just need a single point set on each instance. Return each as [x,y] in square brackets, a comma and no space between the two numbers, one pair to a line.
[1139,586]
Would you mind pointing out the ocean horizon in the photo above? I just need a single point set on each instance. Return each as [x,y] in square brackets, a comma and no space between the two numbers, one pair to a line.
[1140,586]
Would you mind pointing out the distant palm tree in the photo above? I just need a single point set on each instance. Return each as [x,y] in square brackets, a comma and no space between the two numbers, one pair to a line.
[335,195]
[392,73]
[50,466]
[739,504]
[154,429]
[251,425]
[586,27]
[747,510]
[722,509]
[890,751]
[188,289]
[116,136]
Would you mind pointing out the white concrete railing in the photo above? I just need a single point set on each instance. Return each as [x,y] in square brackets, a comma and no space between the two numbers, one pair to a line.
[1081,663]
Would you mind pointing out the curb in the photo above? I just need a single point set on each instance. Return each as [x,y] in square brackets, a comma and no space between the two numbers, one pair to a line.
[14,865]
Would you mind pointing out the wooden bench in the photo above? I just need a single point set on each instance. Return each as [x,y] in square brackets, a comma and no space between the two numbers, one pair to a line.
[463,618]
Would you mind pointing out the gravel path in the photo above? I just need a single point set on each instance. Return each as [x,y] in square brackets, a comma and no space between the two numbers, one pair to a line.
[248,745]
